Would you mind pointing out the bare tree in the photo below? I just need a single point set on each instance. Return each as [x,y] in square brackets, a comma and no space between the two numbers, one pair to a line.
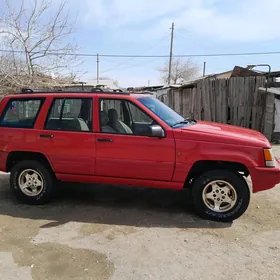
[39,35]
[181,71]
[13,76]
[9,71]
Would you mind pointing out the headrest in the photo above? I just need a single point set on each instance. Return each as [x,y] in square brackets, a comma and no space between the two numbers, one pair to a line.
[113,115]
[103,118]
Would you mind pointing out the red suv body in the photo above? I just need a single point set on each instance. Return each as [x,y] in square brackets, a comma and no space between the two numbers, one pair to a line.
[130,139]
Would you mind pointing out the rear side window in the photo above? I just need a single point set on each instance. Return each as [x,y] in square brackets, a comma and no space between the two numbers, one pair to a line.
[70,114]
[21,113]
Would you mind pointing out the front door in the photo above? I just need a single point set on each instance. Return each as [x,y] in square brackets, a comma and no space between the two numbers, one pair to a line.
[123,147]
[68,137]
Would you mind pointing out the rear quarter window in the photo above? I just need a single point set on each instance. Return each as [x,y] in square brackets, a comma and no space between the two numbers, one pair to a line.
[21,113]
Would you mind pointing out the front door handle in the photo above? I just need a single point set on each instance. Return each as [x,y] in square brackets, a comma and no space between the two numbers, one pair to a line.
[46,136]
[104,140]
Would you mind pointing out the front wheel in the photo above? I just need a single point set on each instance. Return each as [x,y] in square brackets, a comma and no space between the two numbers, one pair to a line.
[220,195]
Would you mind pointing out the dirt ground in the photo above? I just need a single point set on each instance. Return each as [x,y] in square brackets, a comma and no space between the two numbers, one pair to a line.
[103,232]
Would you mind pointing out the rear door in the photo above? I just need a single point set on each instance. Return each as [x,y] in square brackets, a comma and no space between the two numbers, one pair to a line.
[125,149]
[67,137]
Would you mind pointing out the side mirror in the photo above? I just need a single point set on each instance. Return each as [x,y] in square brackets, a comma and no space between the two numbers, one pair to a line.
[156,131]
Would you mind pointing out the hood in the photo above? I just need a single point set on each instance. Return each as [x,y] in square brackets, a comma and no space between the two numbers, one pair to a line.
[216,132]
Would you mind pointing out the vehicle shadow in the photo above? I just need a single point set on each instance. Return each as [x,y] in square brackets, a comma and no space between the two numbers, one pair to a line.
[110,205]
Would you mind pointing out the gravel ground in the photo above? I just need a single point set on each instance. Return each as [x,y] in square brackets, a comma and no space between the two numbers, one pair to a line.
[103,232]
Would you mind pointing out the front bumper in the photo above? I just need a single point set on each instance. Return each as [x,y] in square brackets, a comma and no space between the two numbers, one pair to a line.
[265,178]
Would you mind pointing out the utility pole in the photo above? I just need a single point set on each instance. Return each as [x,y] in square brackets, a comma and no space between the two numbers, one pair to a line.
[171,53]
[97,70]
[204,68]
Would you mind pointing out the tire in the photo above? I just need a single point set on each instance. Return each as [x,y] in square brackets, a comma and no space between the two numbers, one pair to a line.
[34,195]
[209,201]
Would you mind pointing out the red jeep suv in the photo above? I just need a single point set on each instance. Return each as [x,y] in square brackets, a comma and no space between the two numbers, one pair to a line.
[130,139]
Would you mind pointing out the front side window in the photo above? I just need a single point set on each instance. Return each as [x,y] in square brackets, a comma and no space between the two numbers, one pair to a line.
[139,116]
[70,114]
[21,113]
[123,117]
[164,112]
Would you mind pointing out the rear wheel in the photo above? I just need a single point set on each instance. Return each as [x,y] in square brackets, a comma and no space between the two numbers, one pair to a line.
[32,182]
[220,195]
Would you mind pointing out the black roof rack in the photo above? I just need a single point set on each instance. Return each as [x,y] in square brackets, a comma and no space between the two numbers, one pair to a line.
[26,90]
[93,90]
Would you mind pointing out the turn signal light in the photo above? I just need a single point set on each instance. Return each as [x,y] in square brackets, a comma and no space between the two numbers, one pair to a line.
[269,158]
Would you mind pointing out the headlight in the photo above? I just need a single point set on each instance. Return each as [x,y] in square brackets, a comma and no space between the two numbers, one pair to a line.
[269,158]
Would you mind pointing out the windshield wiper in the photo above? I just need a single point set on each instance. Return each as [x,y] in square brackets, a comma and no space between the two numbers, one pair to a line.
[187,120]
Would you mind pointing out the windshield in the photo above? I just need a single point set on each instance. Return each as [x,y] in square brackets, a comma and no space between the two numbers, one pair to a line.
[164,112]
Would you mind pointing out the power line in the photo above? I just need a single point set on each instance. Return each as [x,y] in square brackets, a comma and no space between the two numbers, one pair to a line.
[132,66]
[194,55]
[149,56]
[117,66]
[192,37]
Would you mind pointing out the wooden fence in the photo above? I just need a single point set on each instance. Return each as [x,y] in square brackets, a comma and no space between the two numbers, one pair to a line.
[234,101]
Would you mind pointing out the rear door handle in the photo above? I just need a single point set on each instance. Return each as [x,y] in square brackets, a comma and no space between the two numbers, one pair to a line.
[104,140]
[46,136]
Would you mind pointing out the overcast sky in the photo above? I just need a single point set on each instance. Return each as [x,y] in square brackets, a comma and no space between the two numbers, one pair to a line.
[201,27]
